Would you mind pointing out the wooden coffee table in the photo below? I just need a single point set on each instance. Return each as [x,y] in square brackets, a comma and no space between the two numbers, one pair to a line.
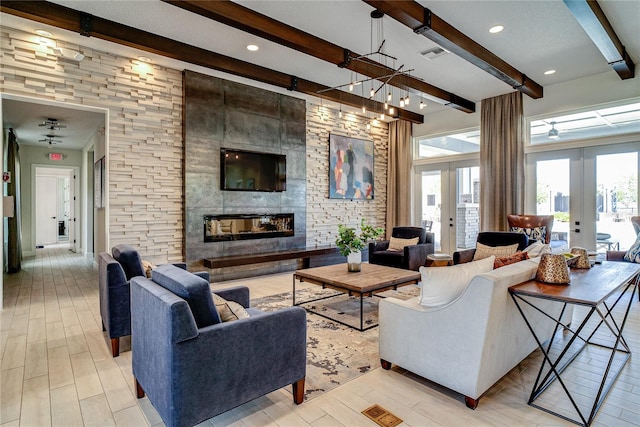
[370,280]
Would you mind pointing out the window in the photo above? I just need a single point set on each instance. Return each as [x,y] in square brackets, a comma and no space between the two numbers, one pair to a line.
[601,122]
[448,145]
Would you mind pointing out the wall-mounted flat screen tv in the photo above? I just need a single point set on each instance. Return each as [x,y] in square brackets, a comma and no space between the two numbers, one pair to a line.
[242,170]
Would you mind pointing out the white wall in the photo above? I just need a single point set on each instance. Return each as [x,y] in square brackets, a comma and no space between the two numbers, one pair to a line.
[561,97]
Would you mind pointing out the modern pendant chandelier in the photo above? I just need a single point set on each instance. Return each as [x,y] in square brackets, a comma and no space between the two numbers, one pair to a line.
[378,89]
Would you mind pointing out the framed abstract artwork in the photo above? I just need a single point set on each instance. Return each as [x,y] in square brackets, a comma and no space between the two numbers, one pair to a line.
[350,168]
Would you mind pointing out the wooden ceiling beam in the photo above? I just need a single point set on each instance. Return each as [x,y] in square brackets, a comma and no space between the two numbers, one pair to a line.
[93,26]
[422,21]
[245,19]
[590,16]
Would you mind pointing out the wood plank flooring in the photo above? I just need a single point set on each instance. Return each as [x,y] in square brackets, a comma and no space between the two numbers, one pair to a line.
[56,369]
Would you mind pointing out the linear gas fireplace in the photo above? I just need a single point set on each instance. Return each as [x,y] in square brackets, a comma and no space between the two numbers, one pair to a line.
[221,228]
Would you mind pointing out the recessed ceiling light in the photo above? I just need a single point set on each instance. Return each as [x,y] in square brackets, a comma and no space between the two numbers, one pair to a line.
[549,72]
[496,29]
[44,33]
[252,47]
[144,58]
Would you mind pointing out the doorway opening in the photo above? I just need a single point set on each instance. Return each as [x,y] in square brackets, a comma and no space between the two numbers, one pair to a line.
[55,206]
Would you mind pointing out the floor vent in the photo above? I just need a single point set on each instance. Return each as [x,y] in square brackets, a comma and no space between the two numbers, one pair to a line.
[381,416]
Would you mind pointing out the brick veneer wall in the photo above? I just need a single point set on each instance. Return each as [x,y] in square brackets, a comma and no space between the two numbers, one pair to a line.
[145,132]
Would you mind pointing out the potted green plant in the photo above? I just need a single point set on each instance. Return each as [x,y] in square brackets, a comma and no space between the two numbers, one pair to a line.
[351,243]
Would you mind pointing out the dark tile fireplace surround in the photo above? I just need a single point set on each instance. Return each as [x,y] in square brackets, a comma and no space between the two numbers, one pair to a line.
[222,114]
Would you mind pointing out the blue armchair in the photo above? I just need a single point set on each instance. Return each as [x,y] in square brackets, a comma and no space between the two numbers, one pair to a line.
[114,273]
[193,367]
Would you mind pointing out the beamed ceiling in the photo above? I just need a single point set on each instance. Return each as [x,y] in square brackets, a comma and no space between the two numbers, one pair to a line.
[310,47]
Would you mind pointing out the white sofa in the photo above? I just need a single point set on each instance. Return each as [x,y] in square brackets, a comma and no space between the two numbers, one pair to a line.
[468,344]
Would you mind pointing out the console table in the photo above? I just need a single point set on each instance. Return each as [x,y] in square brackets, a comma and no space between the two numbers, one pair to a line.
[593,288]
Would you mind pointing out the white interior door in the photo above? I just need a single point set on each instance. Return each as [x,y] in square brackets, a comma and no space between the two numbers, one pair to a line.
[46,207]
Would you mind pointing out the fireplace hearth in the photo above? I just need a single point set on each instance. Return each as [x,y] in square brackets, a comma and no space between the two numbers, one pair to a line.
[223,228]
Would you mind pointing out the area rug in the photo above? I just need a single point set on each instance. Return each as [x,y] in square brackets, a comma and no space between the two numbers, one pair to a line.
[336,353]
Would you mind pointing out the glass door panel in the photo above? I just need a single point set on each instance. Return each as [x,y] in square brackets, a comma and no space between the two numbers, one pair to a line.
[616,200]
[553,192]
[467,206]
[432,204]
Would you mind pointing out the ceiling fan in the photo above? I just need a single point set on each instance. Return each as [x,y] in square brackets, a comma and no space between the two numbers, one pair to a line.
[50,140]
[52,124]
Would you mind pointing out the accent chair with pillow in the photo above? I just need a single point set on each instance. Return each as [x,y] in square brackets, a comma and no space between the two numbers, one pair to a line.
[193,365]
[630,255]
[536,227]
[497,243]
[115,271]
[407,248]
[464,332]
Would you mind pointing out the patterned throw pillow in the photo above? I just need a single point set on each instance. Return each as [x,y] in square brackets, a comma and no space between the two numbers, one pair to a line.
[511,259]
[633,254]
[397,244]
[484,251]
[534,233]
[229,310]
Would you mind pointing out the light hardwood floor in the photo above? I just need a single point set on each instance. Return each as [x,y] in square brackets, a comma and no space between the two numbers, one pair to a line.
[56,369]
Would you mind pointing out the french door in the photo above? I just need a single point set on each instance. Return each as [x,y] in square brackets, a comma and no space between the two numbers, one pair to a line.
[448,201]
[592,193]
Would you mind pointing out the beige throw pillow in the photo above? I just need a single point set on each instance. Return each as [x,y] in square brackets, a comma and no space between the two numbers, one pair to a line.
[229,310]
[397,244]
[484,251]
[148,267]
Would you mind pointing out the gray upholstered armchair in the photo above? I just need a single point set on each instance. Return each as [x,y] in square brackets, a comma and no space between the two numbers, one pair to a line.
[193,367]
[410,257]
[115,270]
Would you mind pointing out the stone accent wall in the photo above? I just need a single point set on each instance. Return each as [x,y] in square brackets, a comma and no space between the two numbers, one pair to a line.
[468,217]
[145,157]
[324,214]
[145,132]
